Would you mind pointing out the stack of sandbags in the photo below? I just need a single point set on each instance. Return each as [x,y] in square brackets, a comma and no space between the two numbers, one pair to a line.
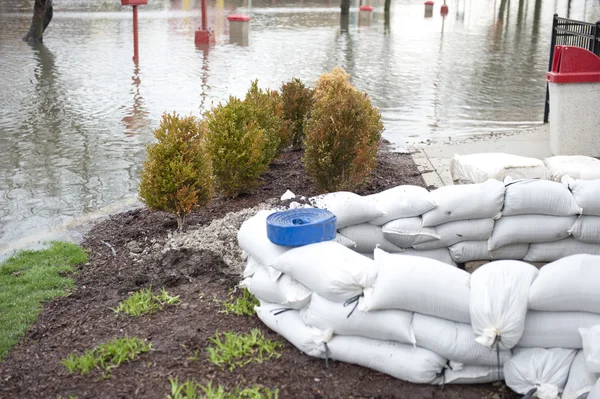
[397,224]
[438,295]
[460,214]
[421,320]
[584,234]
[464,221]
[564,297]
[529,205]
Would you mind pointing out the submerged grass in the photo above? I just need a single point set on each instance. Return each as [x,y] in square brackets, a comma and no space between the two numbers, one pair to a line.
[241,304]
[232,350]
[27,280]
[190,389]
[107,356]
[143,301]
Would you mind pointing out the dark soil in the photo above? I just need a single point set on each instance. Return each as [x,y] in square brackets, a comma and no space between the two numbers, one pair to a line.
[84,318]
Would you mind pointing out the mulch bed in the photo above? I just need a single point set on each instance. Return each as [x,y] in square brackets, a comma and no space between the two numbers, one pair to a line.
[84,318]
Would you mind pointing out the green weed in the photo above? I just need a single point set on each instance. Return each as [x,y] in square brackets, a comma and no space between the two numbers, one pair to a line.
[190,389]
[142,302]
[27,280]
[195,357]
[107,356]
[240,305]
[231,349]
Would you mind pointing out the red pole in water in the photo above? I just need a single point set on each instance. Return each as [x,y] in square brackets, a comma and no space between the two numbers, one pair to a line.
[203,35]
[135,34]
[203,14]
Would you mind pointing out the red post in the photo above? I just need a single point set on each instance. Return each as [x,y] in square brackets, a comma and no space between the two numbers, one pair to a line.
[135,33]
[203,36]
[203,14]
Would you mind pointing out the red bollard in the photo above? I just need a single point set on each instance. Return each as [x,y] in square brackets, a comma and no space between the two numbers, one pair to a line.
[203,35]
[135,4]
[444,9]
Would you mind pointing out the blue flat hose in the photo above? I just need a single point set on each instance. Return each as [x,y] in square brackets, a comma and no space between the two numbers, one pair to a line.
[302,226]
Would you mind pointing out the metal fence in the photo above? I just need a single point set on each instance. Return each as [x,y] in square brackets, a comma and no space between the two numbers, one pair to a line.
[568,32]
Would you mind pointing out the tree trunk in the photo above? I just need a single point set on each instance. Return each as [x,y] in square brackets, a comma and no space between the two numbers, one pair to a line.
[387,6]
[345,7]
[42,15]
[181,222]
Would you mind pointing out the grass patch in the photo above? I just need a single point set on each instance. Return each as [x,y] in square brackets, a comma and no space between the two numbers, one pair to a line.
[143,301]
[240,305]
[233,350]
[190,389]
[107,356]
[28,279]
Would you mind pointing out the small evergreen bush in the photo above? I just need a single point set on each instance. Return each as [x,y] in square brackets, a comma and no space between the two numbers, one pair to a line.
[241,149]
[297,101]
[177,173]
[342,134]
[267,109]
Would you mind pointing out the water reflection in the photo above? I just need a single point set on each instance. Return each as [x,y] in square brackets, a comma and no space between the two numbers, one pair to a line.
[137,118]
[75,113]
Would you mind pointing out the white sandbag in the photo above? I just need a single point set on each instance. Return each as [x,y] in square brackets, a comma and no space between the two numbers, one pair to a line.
[454,341]
[251,266]
[591,347]
[586,194]
[329,269]
[477,168]
[401,361]
[546,370]
[349,208]
[555,329]
[309,340]
[345,241]
[469,201]
[587,229]
[539,197]
[468,251]
[568,284]
[581,380]
[401,202]
[498,306]
[551,251]
[461,230]
[387,325]
[440,254]
[284,290]
[595,392]
[407,232]
[252,238]
[473,375]
[367,237]
[419,285]
[575,166]
[526,229]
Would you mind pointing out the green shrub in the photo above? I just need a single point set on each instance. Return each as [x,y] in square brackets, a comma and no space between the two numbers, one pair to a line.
[240,148]
[297,102]
[267,109]
[177,174]
[342,134]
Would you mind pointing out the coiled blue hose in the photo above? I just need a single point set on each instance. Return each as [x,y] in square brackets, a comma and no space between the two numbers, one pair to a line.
[302,226]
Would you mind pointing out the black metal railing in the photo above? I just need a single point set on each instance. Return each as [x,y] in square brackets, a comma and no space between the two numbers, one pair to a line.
[568,32]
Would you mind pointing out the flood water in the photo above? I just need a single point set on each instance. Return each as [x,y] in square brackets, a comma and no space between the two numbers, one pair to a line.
[76,112]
